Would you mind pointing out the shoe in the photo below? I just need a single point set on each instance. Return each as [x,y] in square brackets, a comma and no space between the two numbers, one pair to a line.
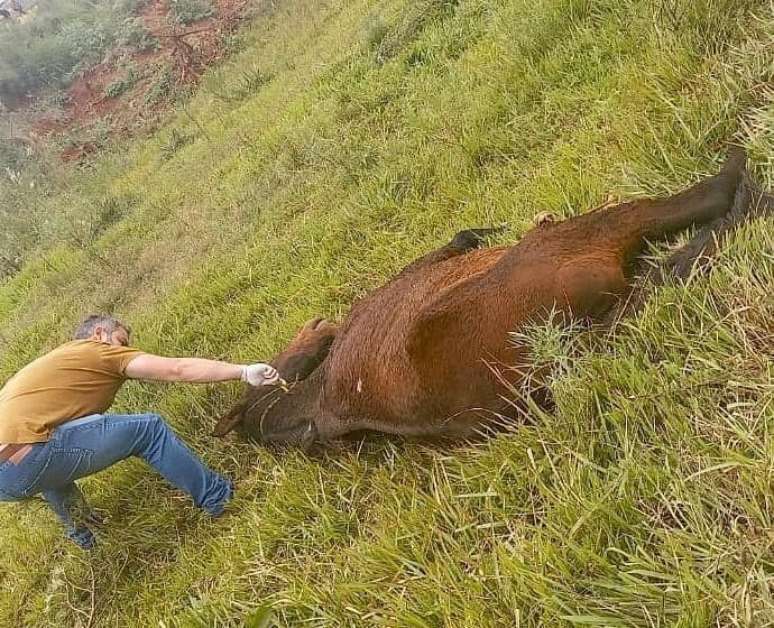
[83,538]
[220,509]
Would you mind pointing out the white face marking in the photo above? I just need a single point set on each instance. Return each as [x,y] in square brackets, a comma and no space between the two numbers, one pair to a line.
[359,385]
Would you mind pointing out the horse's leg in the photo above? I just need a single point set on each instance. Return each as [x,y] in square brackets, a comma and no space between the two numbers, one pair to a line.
[624,229]
[705,202]
[749,202]
[598,279]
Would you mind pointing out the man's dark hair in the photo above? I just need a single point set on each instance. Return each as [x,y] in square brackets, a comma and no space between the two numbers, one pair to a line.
[109,323]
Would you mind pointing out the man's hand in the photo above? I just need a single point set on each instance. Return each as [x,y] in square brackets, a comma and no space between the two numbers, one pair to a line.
[260,374]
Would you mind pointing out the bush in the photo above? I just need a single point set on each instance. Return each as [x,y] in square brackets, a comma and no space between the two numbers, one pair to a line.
[390,41]
[176,140]
[250,82]
[123,84]
[189,11]
[163,89]
[246,83]
[374,31]
[13,155]
[20,215]
[134,35]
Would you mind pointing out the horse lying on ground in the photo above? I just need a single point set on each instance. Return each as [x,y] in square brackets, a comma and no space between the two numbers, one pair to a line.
[428,354]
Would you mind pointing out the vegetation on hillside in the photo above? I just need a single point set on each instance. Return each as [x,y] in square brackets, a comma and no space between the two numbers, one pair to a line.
[188,11]
[342,141]
[40,53]
[70,96]
[60,38]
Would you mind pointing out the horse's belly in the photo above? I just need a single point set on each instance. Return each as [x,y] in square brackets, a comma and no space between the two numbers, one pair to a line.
[368,372]
[377,382]
[371,379]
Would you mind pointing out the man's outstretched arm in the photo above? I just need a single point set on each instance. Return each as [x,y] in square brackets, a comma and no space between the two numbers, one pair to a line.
[198,370]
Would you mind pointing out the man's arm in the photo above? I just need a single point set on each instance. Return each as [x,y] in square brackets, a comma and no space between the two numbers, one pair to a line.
[198,370]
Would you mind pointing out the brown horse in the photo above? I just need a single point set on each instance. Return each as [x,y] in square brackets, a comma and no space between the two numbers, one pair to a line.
[429,355]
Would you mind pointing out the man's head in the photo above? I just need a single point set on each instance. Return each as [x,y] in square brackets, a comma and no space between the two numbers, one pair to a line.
[103,328]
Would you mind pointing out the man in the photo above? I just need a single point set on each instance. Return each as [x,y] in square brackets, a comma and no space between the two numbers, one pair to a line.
[53,430]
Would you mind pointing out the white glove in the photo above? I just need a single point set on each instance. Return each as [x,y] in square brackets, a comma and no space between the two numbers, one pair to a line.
[259,374]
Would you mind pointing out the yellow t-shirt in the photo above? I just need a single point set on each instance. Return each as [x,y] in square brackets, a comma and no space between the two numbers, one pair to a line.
[75,380]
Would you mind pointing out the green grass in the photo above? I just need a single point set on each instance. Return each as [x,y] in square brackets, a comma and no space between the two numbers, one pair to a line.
[644,499]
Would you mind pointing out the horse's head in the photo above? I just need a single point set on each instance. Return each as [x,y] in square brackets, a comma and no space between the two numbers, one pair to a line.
[281,412]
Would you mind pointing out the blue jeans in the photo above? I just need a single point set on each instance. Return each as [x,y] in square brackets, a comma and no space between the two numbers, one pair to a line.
[85,446]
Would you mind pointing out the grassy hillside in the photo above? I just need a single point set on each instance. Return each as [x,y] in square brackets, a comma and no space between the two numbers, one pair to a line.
[343,140]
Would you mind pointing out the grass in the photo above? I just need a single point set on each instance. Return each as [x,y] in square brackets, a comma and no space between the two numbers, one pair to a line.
[644,499]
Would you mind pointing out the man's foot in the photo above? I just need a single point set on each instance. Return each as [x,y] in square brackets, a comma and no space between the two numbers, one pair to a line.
[220,508]
[82,537]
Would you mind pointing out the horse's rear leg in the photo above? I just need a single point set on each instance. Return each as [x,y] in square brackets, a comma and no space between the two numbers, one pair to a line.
[707,201]
[701,204]
[749,202]
[625,228]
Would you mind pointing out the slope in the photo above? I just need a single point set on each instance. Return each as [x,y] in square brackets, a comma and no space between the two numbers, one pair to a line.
[342,141]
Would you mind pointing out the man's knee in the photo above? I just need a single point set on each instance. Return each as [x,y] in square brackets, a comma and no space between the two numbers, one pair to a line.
[159,424]
[155,420]
[12,497]
[149,432]
[154,427]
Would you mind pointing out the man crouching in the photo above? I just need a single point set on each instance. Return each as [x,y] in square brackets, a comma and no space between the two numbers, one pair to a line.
[53,429]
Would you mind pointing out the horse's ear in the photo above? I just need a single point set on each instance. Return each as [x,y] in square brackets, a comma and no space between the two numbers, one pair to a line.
[229,421]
